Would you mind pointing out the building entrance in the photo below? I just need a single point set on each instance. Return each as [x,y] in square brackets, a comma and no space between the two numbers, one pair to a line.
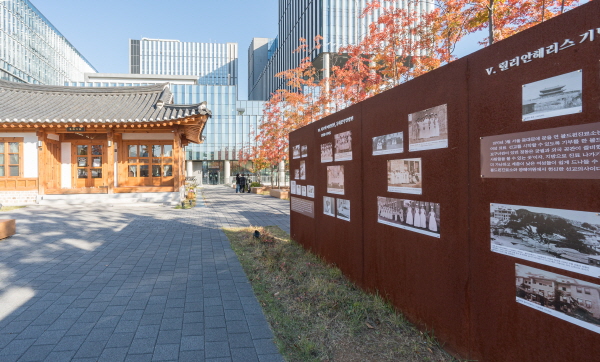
[88,165]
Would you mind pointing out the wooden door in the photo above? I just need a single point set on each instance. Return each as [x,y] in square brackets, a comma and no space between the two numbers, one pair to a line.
[89,164]
[53,164]
[149,163]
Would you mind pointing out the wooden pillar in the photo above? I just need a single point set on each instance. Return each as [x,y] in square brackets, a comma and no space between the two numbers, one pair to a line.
[42,162]
[110,160]
[177,156]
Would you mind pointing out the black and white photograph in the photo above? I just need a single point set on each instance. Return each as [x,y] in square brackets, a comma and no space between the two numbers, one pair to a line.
[293,187]
[335,180]
[572,300]
[303,190]
[326,152]
[419,216]
[298,190]
[310,191]
[343,209]
[296,174]
[302,170]
[343,146]
[296,152]
[428,129]
[388,144]
[304,150]
[551,97]
[405,176]
[329,206]
[564,239]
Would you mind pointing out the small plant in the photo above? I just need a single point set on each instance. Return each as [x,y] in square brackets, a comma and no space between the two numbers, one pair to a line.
[255,184]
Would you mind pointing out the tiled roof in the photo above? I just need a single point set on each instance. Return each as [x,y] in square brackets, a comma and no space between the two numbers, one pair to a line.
[31,103]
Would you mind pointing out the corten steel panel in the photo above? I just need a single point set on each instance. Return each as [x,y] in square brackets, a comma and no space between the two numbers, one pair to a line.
[423,276]
[502,329]
[340,241]
[302,227]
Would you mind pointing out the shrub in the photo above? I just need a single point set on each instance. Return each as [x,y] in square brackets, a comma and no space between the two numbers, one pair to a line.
[255,184]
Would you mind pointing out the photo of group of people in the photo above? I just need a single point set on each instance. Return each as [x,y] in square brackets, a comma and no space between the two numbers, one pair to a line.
[428,129]
[335,179]
[339,208]
[405,176]
[304,150]
[388,144]
[551,97]
[572,300]
[296,152]
[326,152]
[565,239]
[343,146]
[419,216]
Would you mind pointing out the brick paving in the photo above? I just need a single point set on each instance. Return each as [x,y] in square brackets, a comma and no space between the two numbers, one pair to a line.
[133,283]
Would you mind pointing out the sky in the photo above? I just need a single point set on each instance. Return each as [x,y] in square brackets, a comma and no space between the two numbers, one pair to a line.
[101,29]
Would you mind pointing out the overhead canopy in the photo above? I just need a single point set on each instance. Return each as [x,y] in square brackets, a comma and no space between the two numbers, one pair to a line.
[32,103]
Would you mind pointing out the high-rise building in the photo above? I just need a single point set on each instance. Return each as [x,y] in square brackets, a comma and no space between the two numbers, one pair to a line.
[339,22]
[213,63]
[259,53]
[32,50]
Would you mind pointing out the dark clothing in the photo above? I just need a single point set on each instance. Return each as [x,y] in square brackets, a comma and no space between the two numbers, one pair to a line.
[242,183]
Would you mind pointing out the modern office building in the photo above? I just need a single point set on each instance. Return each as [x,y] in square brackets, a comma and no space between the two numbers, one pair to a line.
[259,53]
[213,63]
[32,50]
[337,21]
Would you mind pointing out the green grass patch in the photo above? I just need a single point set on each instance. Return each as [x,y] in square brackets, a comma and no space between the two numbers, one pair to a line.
[316,313]
[9,208]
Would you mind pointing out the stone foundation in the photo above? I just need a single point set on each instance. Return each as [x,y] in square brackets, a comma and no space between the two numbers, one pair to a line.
[13,198]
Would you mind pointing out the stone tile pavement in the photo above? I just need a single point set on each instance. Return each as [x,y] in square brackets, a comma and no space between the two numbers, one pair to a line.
[131,283]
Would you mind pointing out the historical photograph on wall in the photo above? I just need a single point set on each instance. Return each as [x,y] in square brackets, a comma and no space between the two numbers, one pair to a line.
[326,152]
[343,146]
[302,170]
[329,206]
[303,190]
[418,216]
[564,239]
[572,300]
[343,209]
[310,191]
[304,150]
[335,180]
[428,129]
[292,187]
[388,144]
[551,97]
[405,176]
[296,174]
[296,152]
[298,190]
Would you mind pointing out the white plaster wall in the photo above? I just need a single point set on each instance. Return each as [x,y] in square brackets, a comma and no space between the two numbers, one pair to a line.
[30,152]
[65,167]
[148,136]
[53,137]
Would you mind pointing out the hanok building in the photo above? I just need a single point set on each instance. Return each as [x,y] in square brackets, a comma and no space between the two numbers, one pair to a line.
[58,140]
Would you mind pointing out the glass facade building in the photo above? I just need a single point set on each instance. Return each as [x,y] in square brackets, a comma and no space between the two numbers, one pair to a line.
[337,21]
[213,63]
[32,50]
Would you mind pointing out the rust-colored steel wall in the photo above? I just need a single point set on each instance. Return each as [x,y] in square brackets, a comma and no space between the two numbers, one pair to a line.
[456,285]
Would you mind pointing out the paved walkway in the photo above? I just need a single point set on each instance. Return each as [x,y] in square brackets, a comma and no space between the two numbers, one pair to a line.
[133,283]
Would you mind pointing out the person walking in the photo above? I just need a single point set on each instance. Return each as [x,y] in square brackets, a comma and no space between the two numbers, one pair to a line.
[242,183]
[237,183]
[249,182]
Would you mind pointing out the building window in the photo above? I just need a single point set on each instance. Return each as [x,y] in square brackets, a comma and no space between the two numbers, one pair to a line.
[579,289]
[587,291]
[588,303]
[150,161]
[11,157]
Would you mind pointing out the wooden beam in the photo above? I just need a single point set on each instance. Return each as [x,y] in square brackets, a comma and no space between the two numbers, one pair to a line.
[42,162]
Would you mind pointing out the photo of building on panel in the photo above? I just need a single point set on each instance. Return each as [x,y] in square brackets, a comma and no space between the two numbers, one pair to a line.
[343,146]
[388,144]
[326,152]
[335,180]
[302,170]
[551,97]
[343,209]
[329,206]
[304,150]
[296,152]
[564,239]
[428,129]
[418,216]
[293,187]
[405,176]
[572,300]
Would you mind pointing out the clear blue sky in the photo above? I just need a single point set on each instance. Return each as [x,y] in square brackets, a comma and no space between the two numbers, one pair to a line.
[100,29]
